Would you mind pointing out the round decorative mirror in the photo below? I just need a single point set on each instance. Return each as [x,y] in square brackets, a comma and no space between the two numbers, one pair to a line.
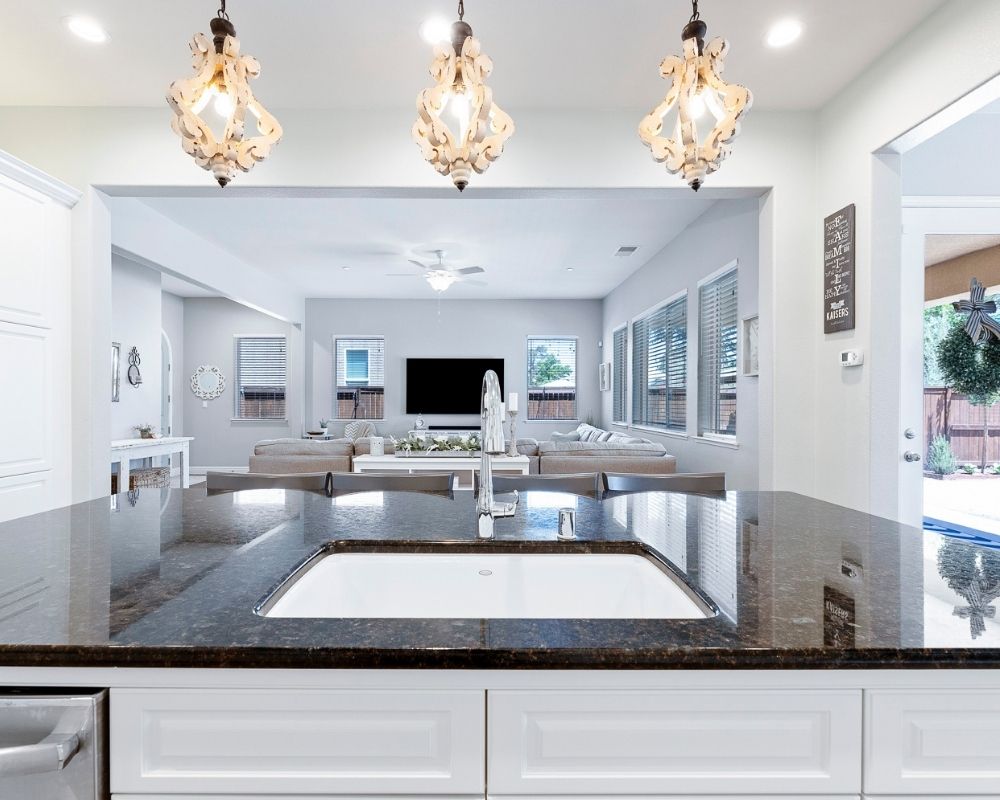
[208,382]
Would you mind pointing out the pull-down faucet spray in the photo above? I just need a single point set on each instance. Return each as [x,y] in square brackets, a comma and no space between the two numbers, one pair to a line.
[492,445]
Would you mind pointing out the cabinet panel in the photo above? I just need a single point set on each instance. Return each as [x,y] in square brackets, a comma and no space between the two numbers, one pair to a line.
[619,743]
[24,272]
[288,743]
[945,742]
[25,401]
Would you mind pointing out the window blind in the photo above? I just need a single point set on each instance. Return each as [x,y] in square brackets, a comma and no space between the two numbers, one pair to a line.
[359,371]
[619,357]
[659,367]
[717,343]
[261,377]
[551,378]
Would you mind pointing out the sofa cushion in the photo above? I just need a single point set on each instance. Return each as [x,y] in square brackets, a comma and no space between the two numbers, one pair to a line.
[588,433]
[527,447]
[572,436]
[637,450]
[304,447]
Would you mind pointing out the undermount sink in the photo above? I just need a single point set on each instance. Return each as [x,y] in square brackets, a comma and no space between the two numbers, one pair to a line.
[478,583]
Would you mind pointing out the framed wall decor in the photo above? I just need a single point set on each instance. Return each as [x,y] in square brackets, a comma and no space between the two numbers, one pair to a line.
[751,345]
[116,366]
[604,374]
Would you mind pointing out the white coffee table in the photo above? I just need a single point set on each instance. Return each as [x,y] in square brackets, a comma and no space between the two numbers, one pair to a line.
[464,468]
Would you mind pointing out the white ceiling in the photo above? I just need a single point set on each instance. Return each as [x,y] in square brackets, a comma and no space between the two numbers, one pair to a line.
[368,54]
[183,288]
[525,244]
[940,247]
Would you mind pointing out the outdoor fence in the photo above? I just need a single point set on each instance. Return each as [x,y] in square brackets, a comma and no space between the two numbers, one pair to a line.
[951,415]
[360,403]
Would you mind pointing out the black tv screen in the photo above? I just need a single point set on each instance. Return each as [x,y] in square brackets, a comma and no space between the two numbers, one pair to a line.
[447,385]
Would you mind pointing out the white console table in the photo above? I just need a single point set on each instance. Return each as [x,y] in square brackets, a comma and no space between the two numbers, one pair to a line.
[124,450]
[464,468]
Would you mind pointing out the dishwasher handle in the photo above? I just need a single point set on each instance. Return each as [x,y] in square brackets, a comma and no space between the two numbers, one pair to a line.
[49,755]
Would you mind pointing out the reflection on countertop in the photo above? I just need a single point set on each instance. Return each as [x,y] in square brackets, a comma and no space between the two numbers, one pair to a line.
[171,577]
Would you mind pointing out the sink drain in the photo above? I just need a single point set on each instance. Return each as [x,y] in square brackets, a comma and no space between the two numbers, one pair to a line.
[485,572]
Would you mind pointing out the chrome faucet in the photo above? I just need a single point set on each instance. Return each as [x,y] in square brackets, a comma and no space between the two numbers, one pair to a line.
[492,443]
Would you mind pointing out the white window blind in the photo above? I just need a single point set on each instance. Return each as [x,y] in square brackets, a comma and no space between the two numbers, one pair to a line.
[359,371]
[718,331]
[619,372]
[659,367]
[261,377]
[551,377]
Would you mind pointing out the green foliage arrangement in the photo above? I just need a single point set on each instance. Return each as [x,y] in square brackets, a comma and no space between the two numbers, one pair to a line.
[969,368]
[940,459]
[459,445]
[969,469]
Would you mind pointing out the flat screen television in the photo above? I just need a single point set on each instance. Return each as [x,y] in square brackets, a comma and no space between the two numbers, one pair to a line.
[447,385]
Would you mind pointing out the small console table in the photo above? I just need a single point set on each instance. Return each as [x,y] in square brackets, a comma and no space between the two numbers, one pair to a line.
[463,467]
[124,450]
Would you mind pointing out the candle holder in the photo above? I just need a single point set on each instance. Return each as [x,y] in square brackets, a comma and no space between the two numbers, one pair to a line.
[512,444]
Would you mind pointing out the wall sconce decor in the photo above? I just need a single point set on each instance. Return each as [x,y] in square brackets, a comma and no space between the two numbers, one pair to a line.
[697,92]
[116,360]
[134,376]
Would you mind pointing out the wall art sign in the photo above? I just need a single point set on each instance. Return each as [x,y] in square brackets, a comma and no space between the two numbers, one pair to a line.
[838,271]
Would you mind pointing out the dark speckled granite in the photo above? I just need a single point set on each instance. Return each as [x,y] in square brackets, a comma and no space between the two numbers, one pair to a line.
[173,581]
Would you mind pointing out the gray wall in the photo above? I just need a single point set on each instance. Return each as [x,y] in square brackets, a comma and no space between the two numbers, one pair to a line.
[209,327]
[451,328]
[173,326]
[727,231]
[135,322]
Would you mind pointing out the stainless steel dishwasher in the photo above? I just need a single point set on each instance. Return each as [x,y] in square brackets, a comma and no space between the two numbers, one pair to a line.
[53,745]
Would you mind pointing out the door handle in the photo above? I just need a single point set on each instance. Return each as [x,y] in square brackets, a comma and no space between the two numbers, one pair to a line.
[49,755]
[910,456]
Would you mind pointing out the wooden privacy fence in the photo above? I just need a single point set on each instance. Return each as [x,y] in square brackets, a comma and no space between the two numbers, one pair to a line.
[951,415]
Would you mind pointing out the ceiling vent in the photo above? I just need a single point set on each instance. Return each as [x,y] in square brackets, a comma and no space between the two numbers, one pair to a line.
[626,250]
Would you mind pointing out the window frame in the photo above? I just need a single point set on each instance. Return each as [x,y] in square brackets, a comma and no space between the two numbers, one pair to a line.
[576,376]
[682,432]
[334,406]
[238,384]
[713,437]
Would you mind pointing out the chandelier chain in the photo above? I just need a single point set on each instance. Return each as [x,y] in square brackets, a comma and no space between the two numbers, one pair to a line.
[222,10]
[461,9]
[695,16]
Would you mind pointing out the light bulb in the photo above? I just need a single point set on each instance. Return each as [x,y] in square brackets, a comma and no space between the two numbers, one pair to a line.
[440,281]
[216,93]
[696,106]
[458,105]
[223,104]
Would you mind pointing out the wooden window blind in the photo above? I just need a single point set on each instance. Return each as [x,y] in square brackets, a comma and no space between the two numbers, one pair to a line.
[659,367]
[261,377]
[717,348]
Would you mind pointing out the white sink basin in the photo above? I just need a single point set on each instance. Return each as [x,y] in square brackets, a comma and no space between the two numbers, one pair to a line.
[487,585]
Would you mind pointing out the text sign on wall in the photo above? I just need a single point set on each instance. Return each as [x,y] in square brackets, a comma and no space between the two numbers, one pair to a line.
[838,271]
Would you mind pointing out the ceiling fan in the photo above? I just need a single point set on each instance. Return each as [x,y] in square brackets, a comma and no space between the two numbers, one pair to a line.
[439,276]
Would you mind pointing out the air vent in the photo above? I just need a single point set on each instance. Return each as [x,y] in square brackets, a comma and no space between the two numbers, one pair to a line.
[626,250]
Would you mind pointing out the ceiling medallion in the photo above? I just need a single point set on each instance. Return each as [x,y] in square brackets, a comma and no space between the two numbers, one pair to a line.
[459,128]
[221,82]
[696,90]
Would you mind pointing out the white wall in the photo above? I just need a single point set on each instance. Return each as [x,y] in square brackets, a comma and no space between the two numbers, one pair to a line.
[209,327]
[452,328]
[956,162]
[727,232]
[173,325]
[136,322]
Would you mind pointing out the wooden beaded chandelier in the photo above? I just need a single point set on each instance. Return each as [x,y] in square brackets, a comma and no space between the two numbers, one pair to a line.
[459,128]
[700,97]
[221,83]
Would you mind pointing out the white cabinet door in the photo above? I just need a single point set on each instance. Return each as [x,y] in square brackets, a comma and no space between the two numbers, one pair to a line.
[932,742]
[291,743]
[690,742]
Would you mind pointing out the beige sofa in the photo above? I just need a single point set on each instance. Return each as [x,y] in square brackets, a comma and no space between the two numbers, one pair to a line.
[292,456]
[590,449]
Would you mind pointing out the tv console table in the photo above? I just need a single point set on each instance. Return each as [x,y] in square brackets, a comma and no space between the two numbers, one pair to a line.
[464,467]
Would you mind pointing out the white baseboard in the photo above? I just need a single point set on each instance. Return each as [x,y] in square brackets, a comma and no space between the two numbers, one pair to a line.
[204,470]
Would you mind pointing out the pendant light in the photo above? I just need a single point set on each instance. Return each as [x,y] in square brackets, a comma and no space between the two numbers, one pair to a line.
[221,86]
[701,98]
[459,128]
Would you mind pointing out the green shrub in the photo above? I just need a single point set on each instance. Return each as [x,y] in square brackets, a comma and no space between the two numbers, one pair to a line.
[969,469]
[940,459]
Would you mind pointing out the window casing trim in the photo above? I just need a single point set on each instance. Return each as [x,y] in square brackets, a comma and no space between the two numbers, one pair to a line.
[237,390]
[385,353]
[576,378]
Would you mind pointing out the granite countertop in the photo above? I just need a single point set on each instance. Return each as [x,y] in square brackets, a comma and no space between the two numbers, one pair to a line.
[172,581]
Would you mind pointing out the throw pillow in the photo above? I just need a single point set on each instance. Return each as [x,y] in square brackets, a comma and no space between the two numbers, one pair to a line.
[572,436]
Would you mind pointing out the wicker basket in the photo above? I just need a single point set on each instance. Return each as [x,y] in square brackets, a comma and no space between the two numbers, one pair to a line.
[144,478]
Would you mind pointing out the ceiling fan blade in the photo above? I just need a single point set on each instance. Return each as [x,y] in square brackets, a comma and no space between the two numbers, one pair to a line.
[401,275]
[416,263]
[468,270]
[469,282]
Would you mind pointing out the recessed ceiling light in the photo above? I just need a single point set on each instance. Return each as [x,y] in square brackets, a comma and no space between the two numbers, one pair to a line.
[88,29]
[435,30]
[346,269]
[784,32]
[569,269]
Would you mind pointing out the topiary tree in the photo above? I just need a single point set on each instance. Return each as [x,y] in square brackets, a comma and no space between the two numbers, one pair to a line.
[973,370]
[940,459]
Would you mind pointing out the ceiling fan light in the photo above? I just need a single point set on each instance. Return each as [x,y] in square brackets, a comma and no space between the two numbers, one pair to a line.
[440,281]
[222,75]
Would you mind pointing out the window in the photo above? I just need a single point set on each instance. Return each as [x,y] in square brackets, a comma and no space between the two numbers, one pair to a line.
[261,377]
[552,377]
[619,391]
[359,371]
[659,367]
[717,338]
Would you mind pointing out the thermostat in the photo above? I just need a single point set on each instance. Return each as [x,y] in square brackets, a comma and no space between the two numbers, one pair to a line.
[851,358]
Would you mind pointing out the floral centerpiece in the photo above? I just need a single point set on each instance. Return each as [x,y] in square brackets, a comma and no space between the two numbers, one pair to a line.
[437,446]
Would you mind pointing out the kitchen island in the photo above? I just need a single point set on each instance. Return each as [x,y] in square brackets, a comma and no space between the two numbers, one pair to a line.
[846,654]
